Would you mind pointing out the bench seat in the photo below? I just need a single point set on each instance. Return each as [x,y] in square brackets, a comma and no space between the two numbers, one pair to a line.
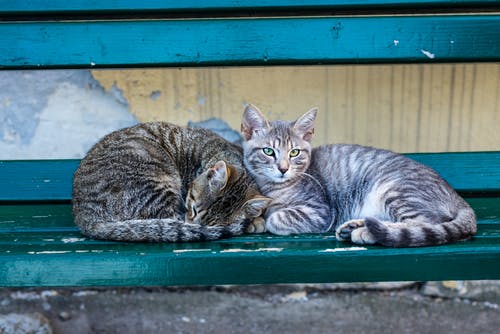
[41,246]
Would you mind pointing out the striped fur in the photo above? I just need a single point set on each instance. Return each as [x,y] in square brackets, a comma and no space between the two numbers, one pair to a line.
[393,200]
[375,196]
[299,203]
[159,182]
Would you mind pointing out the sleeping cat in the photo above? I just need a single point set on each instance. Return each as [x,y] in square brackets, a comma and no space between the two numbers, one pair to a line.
[374,196]
[160,182]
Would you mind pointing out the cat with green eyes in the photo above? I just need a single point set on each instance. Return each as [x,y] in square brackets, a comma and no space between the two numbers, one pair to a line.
[363,194]
[158,182]
[278,154]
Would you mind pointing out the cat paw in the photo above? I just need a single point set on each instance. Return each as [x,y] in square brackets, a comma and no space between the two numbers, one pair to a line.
[356,232]
[362,236]
[344,231]
[258,225]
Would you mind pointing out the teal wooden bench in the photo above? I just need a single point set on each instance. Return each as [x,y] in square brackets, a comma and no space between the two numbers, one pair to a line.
[39,244]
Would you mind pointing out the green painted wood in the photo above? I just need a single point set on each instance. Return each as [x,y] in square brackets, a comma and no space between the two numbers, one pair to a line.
[52,179]
[31,218]
[249,263]
[58,217]
[40,246]
[474,172]
[271,41]
[36,179]
[134,6]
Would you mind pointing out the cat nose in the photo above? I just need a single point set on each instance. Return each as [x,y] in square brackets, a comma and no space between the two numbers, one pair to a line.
[283,170]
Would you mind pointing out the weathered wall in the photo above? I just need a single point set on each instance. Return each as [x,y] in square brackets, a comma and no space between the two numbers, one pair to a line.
[56,114]
[407,108]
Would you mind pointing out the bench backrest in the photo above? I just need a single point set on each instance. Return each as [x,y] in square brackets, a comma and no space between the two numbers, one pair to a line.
[100,34]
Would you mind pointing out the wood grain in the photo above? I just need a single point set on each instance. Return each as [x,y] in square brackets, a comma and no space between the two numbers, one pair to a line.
[45,251]
[51,180]
[252,41]
[406,108]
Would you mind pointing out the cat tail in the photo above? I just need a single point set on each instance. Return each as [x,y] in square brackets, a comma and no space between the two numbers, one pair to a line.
[415,234]
[159,230]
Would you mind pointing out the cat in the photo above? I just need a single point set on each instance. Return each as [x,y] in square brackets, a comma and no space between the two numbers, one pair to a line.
[375,196]
[159,182]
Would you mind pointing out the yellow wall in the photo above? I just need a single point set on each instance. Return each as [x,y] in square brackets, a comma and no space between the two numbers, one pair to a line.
[406,108]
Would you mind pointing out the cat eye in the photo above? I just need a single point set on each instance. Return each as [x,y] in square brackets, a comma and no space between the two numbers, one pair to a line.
[295,152]
[268,151]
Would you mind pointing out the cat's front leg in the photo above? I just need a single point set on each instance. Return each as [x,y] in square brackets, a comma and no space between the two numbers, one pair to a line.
[294,220]
[279,223]
[356,232]
[258,225]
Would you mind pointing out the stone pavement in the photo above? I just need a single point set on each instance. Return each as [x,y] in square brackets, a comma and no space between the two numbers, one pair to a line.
[447,307]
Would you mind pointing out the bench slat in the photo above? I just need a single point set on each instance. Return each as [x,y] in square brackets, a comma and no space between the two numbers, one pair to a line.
[52,179]
[271,41]
[256,263]
[40,246]
[58,217]
[134,6]
[36,179]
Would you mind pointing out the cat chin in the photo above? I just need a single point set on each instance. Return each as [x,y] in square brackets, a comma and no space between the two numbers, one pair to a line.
[271,180]
[281,179]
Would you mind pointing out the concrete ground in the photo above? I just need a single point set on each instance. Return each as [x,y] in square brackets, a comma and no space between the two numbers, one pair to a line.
[251,309]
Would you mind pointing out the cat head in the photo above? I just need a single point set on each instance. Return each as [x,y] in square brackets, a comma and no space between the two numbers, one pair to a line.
[224,194]
[276,151]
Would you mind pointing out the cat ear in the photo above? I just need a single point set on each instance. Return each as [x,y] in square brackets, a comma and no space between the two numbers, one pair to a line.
[252,122]
[218,176]
[255,206]
[305,124]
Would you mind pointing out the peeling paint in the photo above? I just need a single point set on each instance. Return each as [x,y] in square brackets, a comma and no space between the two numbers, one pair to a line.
[71,240]
[155,95]
[346,249]
[89,251]
[238,250]
[428,53]
[192,250]
[56,114]
[49,252]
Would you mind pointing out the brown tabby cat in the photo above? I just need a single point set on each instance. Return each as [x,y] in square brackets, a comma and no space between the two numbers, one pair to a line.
[160,182]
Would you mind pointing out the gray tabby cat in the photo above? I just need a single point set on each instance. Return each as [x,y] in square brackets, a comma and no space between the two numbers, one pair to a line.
[160,182]
[375,196]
